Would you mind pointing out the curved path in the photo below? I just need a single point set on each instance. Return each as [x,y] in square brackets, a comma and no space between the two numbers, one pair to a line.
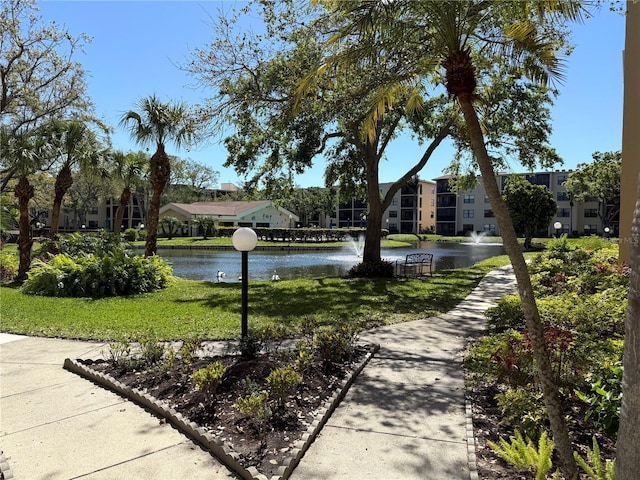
[403,418]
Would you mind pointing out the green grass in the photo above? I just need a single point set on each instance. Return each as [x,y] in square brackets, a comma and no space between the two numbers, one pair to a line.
[213,309]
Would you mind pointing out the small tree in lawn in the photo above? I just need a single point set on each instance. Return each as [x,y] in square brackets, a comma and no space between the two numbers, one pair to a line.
[170,225]
[207,224]
[531,206]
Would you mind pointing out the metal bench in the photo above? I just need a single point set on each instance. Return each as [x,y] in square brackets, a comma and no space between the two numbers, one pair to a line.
[415,264]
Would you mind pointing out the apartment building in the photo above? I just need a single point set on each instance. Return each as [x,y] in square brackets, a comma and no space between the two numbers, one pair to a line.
[412,209]
[470,211]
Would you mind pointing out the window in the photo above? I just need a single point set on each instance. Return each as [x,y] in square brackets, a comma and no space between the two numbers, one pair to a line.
[488,214]
[394,201]
[562,196]
[468,213]
[433,202]
[562,178]
[486,199]
[433,191]
[564,212]
[393,214]
[590,213]
[467,227]
[589,229]
[491,229]
[469,199]
[93,211]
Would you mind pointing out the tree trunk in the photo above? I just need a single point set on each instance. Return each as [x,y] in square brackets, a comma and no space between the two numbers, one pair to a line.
[64,180]
[24,193]
[628,454]
[532,317]
[124,200]
[160,173]
[371,253]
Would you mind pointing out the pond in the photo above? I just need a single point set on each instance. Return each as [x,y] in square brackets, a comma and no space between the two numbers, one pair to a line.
[205,264]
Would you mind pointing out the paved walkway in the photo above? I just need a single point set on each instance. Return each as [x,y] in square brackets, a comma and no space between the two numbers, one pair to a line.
[403,418]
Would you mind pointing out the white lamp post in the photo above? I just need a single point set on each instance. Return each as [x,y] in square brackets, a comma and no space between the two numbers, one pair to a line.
[557,226]
[244,240]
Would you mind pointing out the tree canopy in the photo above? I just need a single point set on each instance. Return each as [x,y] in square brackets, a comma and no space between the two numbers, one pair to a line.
[598,180]
[531,206]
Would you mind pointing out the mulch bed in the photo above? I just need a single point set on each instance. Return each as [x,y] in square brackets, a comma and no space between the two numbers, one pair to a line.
[263,448]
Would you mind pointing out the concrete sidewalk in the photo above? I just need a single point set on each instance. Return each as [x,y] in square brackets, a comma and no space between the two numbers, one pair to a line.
[403,418]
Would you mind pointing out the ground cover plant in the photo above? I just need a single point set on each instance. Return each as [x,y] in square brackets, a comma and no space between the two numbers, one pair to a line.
[581,293]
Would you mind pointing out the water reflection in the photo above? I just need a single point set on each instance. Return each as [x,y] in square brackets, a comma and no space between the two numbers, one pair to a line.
[205,264]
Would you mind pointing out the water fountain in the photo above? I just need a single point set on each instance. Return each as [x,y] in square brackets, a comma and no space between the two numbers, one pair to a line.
[357,246]
[477,237]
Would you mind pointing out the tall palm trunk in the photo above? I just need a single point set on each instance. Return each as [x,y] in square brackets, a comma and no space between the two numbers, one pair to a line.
[125,196]
[160,174]
[627,454]
[64,180]
[24,192]
[534,325]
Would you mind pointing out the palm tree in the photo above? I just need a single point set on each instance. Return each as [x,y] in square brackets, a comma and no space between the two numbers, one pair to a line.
[74,144]
[126,171]
[22,153]
[156,123]
[457,38]
[170,225]
[206,223]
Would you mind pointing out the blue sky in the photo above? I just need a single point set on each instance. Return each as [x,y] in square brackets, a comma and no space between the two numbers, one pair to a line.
[137,45]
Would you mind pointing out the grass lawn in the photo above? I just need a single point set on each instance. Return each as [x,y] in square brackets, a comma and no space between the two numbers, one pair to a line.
[213,309]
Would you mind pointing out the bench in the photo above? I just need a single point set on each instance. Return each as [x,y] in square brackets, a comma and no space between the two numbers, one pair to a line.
[416,264]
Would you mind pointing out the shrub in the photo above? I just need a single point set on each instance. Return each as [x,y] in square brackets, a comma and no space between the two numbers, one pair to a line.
[507,314]
[250,346]
[335,344]
[207,379]
[381,269]
[130,234]
[604,400]
[256,407]
[88,275]
[8,267]
[151,350]
[189,348]
[523,409]
[282,382]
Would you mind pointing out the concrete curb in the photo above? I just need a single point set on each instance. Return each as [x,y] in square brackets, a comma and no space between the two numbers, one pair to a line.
[209,442]
[5,468]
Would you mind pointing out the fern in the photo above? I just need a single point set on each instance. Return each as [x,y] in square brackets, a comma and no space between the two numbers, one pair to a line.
[524,455]
[599,470]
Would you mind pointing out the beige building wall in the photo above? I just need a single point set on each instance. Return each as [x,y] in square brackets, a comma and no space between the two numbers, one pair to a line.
[630,128]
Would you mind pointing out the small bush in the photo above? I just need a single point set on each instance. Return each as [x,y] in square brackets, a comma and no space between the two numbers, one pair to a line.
[8,267]
[507,314]
[282,382]
[523,409]
[256,407]
[207,379]
[250,346]
[336,344]
[130,235]
[151,350]
[604,400]
[381,269]
[88,275]
[189,349]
